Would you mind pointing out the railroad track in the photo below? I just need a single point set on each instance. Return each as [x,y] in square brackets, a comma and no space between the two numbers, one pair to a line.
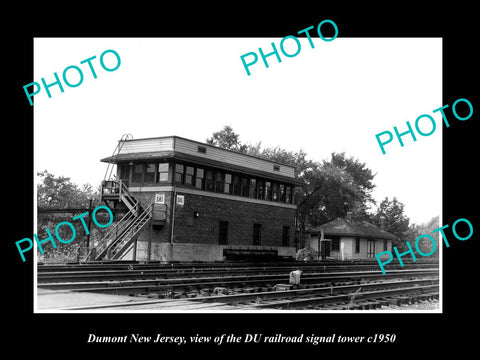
[130,266]
[358,296]
[102,275]
[186,284]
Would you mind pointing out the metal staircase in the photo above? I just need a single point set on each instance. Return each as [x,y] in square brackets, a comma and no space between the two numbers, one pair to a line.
[120,237]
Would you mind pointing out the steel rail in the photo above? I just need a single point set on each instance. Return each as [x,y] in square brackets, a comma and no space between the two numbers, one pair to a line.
[132,286]
[97,275]
[270,295]
[316,301]
[130,265]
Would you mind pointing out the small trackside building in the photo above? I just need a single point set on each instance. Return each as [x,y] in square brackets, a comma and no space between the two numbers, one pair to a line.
[198,202]
[346,239]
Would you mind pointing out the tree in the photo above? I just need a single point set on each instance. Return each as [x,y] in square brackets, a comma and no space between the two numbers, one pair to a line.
[424,243]
[391,213]
[227,139]
[60,193]
[362,177]
[334,188]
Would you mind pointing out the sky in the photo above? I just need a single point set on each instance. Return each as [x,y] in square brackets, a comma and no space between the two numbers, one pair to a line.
[334,97]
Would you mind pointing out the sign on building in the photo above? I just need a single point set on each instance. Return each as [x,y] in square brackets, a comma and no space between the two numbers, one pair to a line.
[180,200]
[160,198]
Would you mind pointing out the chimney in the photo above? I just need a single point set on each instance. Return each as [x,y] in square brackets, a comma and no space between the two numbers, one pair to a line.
[382,222]
[349,216]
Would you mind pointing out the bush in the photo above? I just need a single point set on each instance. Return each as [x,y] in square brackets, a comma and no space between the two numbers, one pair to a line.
[307,254]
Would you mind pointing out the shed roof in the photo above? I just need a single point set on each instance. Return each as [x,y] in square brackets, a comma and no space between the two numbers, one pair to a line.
[344,227]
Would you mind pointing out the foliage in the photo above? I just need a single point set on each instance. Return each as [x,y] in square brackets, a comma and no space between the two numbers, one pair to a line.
[425,245]
[395,221]
[344,185]
[227,139]
[59,192]
[306,254]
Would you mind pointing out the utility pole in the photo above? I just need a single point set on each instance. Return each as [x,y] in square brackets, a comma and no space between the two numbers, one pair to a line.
[89,223]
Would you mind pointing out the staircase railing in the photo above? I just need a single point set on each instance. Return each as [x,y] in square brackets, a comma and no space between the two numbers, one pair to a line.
[119,191]
[131,202]
[122,234]
[122,242]
[112,233]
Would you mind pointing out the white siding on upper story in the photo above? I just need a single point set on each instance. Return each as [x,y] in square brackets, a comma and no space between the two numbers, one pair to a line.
[191,148]
[147,145]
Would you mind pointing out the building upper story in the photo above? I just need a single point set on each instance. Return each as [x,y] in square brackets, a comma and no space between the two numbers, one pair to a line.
[149,163]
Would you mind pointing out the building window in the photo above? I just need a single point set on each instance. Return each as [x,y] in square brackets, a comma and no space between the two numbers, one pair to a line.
[245,192]
[137,173]
[199,179]
[219,182]
[179,170]
[268,190]
[357,245]
[285,236]
[124,172]
[237,190]
[385,245]
[189,172]
[282,193]
[209,181]
[335,243]
[227,188]
[288,194]
[149,176]
[275,192]
[253,188]
[202,149]
[260,189]
[162,172]
[223,233]
[276,167]
[257,234]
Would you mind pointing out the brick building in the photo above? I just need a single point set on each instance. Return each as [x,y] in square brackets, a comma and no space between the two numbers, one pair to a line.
[188,201]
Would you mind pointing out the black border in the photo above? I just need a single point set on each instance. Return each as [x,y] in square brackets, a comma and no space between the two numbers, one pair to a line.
[416,333]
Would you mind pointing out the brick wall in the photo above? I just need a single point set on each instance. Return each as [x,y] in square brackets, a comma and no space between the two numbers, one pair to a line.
[204,229]
[240,216]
